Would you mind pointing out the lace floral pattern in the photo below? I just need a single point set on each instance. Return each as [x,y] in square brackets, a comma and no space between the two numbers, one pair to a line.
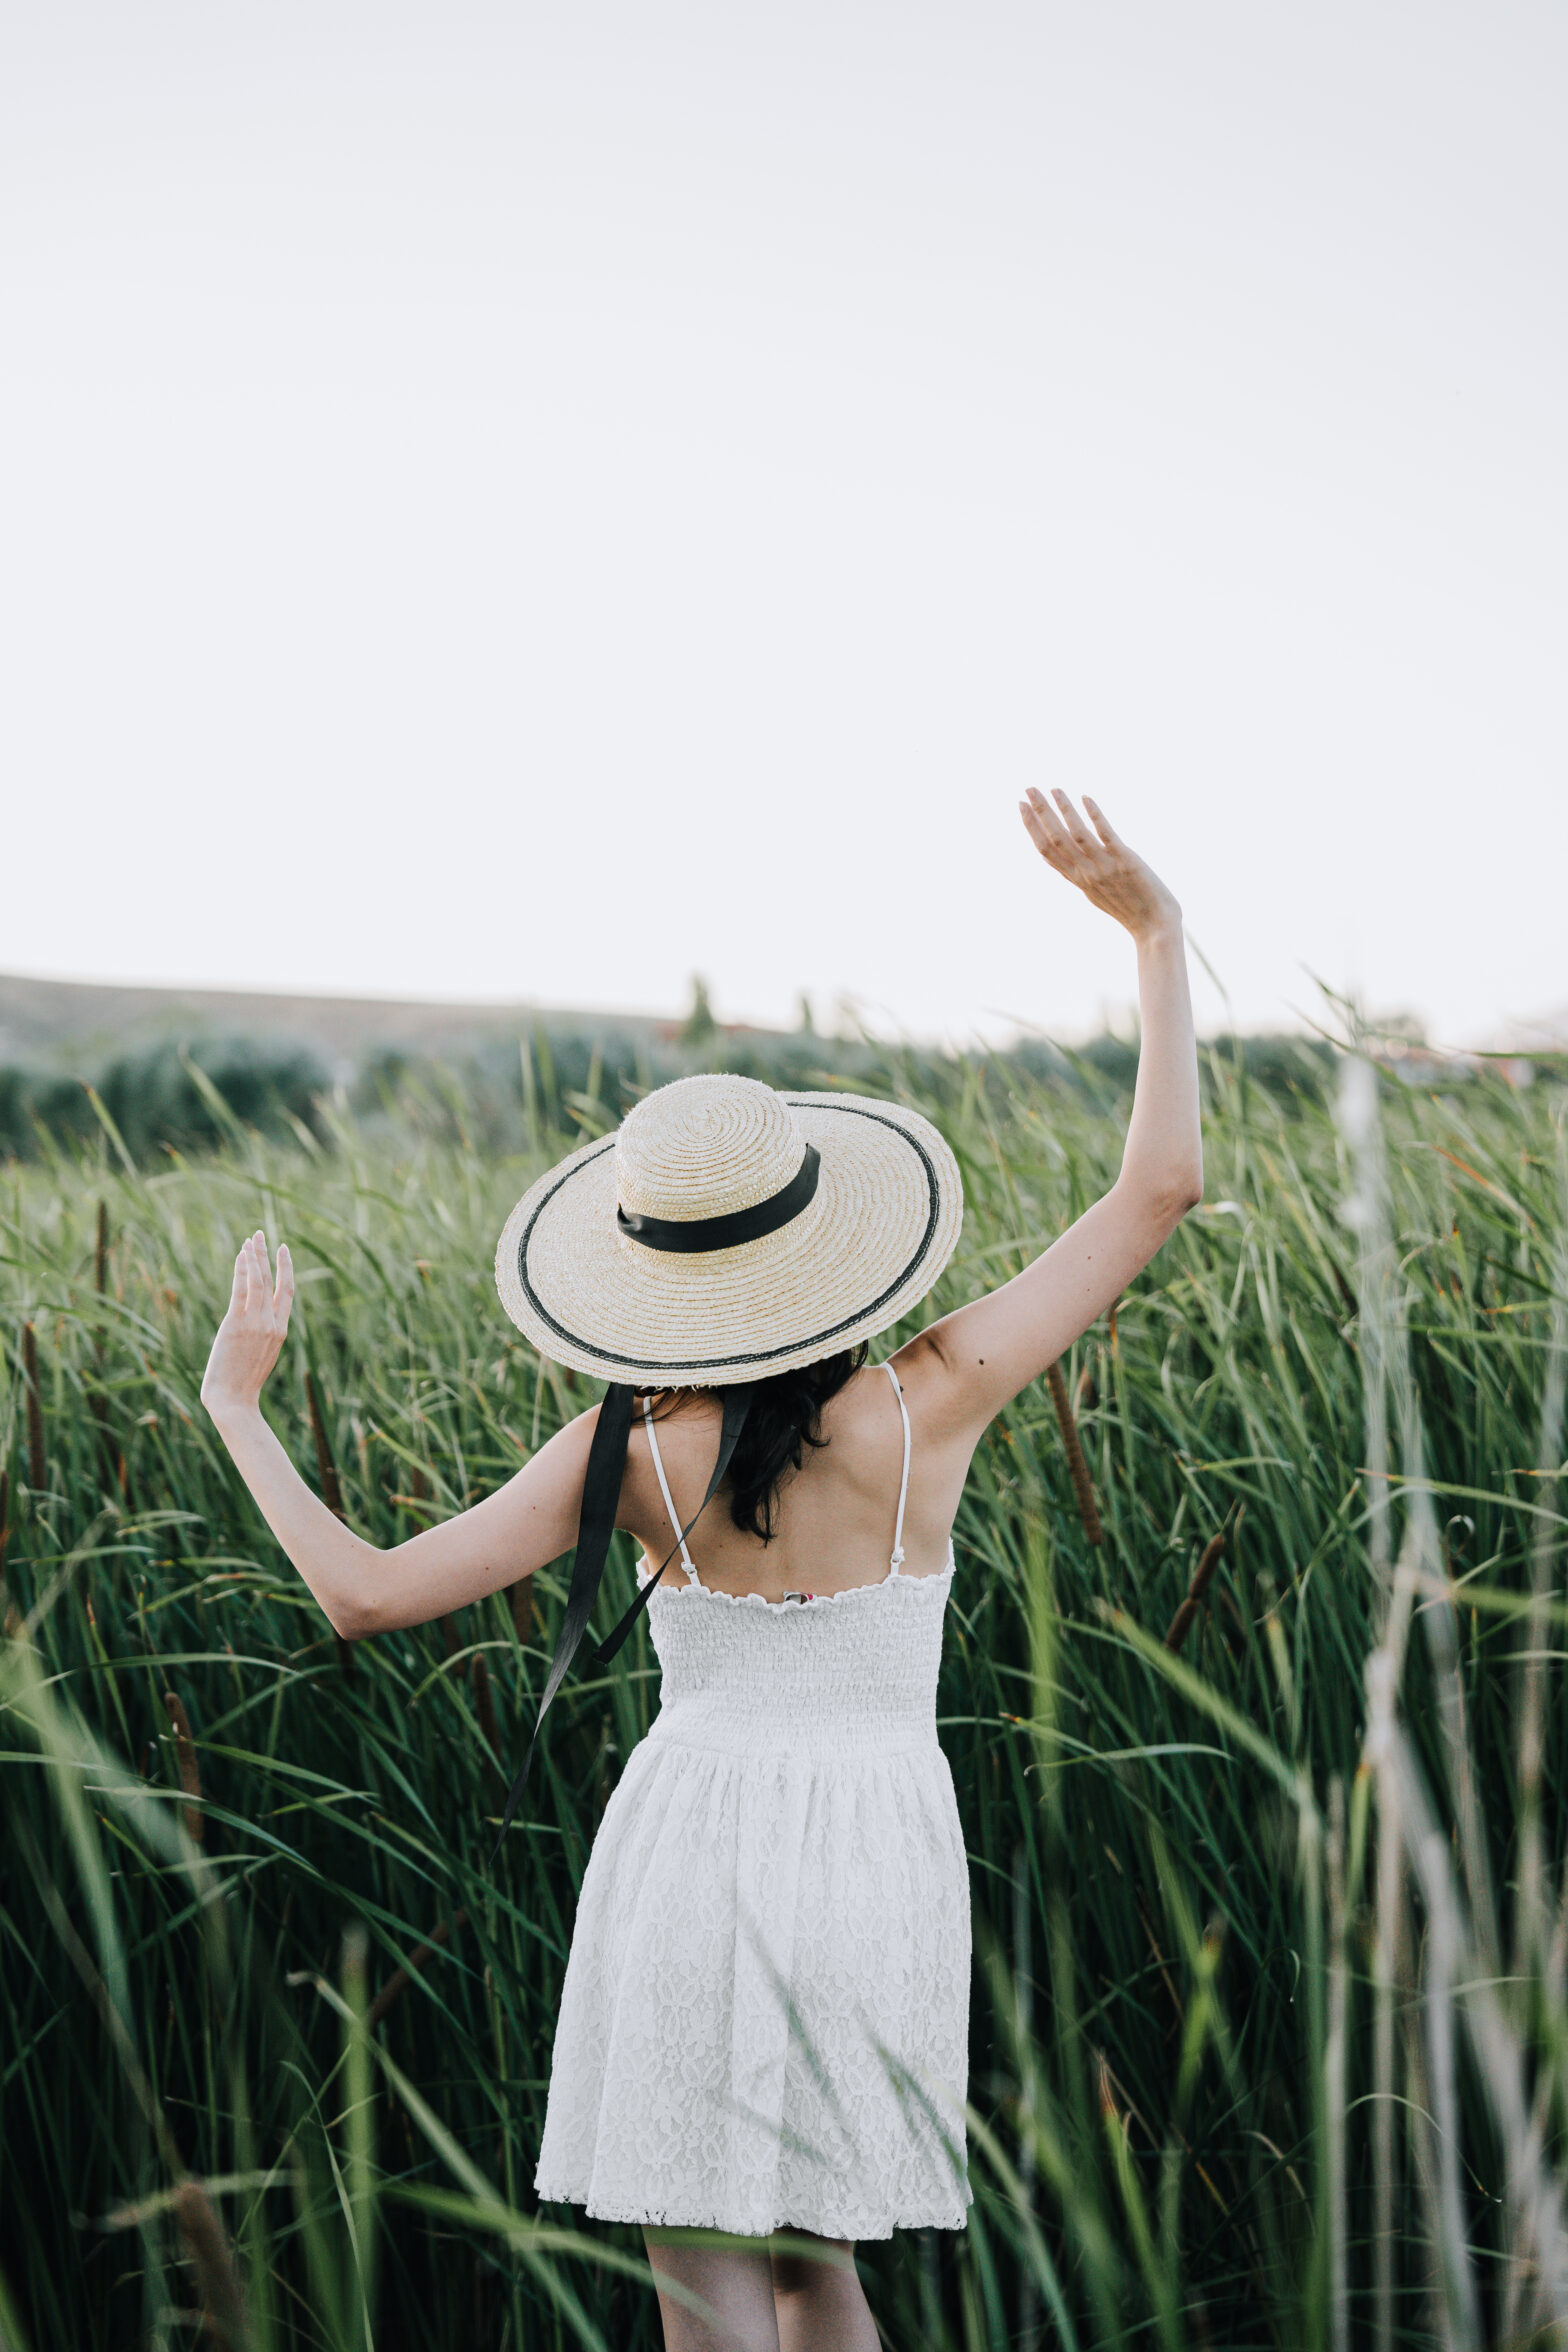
[764,2023]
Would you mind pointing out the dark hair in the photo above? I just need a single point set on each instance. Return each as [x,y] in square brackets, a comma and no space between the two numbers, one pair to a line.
[785,1417]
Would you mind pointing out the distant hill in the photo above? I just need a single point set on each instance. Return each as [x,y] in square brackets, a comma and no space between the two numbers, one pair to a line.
[44,1020]
[159,1064]
[172,1068]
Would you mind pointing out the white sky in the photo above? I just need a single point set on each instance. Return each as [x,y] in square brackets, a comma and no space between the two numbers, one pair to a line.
[518,502]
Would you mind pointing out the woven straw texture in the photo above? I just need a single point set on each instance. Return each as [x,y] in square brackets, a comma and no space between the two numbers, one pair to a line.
[883,1223]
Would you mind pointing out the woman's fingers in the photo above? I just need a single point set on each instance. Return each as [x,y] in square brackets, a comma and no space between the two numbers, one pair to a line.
[254,1292]
[1103,826]
[248,1256]
[1046,829]
[251,1335]
[1073,824]
[1099,863]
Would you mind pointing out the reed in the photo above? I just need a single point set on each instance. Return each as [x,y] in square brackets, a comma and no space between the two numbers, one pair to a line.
[484,1710]
[401,1978]
[1265,1791]
[1077,1467]
[326,1467]
[37,1466]
[189,1769]
[219,2298]
[1198,1591]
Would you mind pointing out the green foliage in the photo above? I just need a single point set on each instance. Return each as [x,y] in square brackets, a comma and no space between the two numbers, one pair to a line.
[574,1075]
[268,1965]
[165,1097]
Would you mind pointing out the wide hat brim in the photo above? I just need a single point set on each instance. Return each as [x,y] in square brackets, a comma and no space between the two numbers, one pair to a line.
[881,1226]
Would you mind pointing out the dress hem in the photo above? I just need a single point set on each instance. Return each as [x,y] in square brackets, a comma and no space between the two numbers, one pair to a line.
[866,2232]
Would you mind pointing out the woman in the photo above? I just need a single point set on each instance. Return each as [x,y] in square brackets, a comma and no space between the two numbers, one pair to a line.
[763,2024]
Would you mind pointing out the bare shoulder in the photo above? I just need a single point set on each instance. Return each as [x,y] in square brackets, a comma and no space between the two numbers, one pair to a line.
[932,1370]
[966,1367]
[688,1425]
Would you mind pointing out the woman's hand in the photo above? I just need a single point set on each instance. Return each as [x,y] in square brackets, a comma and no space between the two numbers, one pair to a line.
[1111,876]
[966,1368]
[251,1335]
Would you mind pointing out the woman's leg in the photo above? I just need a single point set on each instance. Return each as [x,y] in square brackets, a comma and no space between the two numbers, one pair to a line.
[736,2284]
[820,2302]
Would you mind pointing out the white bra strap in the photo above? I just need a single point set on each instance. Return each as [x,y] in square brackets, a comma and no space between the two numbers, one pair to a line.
[664,1486]
[903,1484]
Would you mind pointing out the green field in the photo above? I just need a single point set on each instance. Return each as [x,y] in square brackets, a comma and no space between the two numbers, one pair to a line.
[1270,2028]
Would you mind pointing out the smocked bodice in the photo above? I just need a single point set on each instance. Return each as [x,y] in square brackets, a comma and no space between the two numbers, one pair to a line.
[839,1675]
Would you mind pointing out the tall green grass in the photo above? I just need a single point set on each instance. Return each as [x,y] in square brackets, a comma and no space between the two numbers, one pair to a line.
[1270,2031]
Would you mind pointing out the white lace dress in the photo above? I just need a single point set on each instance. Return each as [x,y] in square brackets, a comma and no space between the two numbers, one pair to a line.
[764,2023]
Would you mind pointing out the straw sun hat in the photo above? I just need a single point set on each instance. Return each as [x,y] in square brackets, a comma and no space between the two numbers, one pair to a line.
[726,1232]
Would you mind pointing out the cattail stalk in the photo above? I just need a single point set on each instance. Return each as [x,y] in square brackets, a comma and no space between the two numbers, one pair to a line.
[484,1707]
[521,1595]
[331,1490]
[37,1471]
[398,1982]
[326,1468]
[1197,1591]
[190,1769]
[1078,1468]
[211,2257]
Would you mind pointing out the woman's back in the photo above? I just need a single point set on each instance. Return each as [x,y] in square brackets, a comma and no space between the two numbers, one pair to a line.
[834,1517]
[833,1672]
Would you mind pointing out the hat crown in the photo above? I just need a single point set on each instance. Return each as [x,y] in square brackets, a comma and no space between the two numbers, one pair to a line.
[705,1147]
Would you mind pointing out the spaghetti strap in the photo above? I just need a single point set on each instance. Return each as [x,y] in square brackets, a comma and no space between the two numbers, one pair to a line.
[897,1561]
[664,1487]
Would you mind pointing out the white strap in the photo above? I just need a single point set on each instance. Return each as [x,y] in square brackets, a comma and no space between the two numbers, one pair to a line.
[664,1487]
[903,1484]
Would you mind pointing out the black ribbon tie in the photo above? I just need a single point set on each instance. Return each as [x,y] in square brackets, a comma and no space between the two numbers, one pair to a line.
[595,1526]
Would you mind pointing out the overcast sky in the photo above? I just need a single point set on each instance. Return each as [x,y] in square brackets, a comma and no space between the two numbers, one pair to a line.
[504,501]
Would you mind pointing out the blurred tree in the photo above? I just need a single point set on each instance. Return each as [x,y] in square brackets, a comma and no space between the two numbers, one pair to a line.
[699,1027]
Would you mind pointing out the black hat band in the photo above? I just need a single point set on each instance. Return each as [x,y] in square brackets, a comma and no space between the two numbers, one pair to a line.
[737,1225]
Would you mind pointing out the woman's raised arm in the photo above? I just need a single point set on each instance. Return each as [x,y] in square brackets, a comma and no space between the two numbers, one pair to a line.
[967,1366]
[524,1524]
